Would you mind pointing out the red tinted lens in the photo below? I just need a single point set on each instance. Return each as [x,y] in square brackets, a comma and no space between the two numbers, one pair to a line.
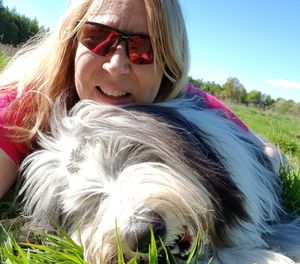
[98,38]
[103,40]
[140,50]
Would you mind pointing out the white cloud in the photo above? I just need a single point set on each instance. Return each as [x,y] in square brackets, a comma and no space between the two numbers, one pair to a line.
[284,83]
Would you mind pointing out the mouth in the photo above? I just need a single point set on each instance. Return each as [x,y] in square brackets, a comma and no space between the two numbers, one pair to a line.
[112,93]
[181,247]
[177,250]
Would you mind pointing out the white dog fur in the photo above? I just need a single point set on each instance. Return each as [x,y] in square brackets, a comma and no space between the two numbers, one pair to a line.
[175,166]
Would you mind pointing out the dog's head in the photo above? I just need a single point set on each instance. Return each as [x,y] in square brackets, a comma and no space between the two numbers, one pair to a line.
[108,170]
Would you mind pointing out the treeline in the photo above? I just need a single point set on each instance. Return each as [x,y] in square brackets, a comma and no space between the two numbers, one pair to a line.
[234,91]
[15,28]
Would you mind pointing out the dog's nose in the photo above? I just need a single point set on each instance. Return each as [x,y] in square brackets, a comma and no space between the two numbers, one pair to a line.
[140,238]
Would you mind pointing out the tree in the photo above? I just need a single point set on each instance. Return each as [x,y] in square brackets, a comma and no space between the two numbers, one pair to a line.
[267,101]
[8,30]
[15,28]
[196,82]
[212,88]
[254,98]
[234,90]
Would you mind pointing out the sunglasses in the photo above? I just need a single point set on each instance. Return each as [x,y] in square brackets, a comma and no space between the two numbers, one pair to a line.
[103,40]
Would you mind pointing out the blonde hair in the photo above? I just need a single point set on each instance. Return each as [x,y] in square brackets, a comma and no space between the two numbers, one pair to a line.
[43,69]
[170,44]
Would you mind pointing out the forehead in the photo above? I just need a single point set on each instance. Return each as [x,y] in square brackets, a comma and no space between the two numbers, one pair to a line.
[128,15]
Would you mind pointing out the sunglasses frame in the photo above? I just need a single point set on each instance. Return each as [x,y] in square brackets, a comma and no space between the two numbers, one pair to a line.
[122,36]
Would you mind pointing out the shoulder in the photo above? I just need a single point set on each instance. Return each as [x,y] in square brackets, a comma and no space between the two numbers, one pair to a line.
[15,150]
[213,103]
[7,96]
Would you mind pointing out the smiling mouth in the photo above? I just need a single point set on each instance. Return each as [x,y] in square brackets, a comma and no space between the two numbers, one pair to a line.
[112,94]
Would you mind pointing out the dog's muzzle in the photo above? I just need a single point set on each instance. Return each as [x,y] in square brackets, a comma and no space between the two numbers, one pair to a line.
[138,238]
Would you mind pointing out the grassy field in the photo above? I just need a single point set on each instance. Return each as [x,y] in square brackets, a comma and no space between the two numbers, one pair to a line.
[8,50]
[284,132]
[281,130]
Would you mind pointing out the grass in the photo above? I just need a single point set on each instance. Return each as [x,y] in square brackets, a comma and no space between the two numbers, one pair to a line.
[291,191]
[6,52]
[3,60]
[281,130]
[284,132]
[47,249]
[62,249]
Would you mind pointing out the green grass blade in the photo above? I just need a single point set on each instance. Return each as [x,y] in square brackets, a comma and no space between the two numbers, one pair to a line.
[66,236]
[211,259]
[120,248]
[21,252]
[50,250]
[152,248]
[194,249]
[165,250]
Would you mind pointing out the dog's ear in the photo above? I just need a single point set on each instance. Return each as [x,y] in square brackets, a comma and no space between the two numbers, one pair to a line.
[44,174]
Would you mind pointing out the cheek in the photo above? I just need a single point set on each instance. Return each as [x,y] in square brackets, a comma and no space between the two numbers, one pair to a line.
[82,63]
[84,67]
[79,67]
[150,82]
[79,79]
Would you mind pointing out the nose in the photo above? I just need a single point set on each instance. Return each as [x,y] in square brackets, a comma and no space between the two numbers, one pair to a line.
[118,62]
[139,238]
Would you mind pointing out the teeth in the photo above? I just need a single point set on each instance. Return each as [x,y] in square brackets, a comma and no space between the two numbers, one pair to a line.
[113,93]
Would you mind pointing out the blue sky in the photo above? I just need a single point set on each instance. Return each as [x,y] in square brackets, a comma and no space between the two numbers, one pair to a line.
[257,41]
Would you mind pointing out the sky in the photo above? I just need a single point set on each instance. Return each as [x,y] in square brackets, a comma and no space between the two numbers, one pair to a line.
[256,41]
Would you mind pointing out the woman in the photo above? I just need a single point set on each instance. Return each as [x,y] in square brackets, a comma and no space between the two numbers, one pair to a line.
[111,51]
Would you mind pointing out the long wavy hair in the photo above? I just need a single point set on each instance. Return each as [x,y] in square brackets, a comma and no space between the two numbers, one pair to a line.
[43,69]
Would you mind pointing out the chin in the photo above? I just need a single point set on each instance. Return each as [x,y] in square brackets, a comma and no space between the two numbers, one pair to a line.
[188,173]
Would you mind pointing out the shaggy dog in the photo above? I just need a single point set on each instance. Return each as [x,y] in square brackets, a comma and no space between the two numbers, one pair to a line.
[174,166]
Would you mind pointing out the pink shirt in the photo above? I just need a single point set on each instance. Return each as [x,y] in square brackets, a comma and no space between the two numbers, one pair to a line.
[18,151]
[213,103]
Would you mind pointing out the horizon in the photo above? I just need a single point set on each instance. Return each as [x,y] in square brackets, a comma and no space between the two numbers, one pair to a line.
[257,42]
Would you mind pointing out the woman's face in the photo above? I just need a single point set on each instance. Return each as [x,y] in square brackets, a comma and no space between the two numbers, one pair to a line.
[115,79]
